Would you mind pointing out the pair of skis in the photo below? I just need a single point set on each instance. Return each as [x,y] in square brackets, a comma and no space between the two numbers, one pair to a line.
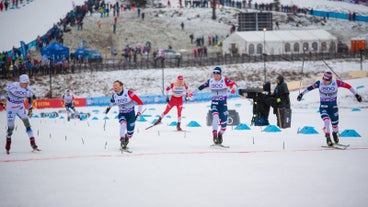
[33,150]
[337,146]
[149,127]
[127,150]
[219,146]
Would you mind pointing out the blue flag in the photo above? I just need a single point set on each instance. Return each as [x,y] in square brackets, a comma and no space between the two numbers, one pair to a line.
[23,49]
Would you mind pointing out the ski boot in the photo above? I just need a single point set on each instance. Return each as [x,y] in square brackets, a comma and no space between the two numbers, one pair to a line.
[328,140]
[219,138]
[7,145]
[33,144]
[335,137]
[178,127]
[158,121]
[124,141]
[215,138]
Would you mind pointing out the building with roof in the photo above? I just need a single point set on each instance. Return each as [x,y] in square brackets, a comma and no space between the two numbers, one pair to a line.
[278,42]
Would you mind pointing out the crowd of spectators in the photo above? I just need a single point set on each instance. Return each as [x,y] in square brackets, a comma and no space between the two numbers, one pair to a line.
[5,5]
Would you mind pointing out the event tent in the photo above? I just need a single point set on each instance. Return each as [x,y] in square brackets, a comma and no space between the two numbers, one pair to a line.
[55,51]
[279,42]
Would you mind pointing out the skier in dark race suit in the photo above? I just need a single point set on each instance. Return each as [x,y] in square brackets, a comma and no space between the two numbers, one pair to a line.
[125,99]
[17,92]
[218,86]
[328,109]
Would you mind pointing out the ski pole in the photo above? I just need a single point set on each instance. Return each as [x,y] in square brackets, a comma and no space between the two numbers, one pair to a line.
[331,69]
[136,116]
[301,75]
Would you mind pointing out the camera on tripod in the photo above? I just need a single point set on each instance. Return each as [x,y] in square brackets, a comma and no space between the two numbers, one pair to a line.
[262,102]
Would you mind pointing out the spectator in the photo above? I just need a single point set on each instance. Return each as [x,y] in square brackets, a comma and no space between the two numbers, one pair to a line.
[277,25]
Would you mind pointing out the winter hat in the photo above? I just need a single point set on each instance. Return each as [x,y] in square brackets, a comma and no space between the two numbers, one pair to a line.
[24,78]
[217,70]
[180,77]
[327,76]
[280,78]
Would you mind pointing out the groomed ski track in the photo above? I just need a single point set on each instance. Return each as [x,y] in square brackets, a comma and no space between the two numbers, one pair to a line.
[214,151]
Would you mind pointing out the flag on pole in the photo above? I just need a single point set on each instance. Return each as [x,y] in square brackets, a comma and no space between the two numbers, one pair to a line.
[24,49]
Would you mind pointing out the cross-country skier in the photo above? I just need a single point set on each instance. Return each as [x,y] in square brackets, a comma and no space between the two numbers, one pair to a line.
[17,92]
[218,86]
[68,100]
[178,89]
[328,108]
[125,99]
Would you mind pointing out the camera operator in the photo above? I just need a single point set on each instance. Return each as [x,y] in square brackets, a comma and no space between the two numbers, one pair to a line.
[263,100]
[280,102]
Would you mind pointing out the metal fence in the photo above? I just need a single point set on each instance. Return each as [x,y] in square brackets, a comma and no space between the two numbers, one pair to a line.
[211,59]
[208,60]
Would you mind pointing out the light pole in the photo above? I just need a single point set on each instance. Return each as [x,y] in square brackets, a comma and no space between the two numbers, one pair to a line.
[264,53]
[163,80]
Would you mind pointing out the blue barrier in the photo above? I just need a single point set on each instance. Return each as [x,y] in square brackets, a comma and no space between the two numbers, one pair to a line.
[330,14]
[155,99]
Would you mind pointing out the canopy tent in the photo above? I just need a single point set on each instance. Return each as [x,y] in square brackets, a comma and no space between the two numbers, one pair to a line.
[55,51]
[279,42]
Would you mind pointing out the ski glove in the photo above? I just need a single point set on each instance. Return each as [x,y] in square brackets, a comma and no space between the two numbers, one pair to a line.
[300,96]
[137,115]
[233,91]
[107,110]
[30,112]
[167,99]
[188,96]
[358,97]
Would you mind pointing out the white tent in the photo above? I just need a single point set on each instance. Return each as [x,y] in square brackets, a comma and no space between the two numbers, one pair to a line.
[279,42]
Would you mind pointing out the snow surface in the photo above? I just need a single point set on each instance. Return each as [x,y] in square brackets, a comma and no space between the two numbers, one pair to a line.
[34,19]
[80,163]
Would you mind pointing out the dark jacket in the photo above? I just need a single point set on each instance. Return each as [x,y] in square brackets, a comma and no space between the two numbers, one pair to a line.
[281,91]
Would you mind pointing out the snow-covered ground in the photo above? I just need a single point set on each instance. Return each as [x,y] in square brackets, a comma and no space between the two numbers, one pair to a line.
[80,163]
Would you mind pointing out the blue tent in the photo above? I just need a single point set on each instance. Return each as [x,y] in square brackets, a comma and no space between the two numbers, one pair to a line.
[55,51]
